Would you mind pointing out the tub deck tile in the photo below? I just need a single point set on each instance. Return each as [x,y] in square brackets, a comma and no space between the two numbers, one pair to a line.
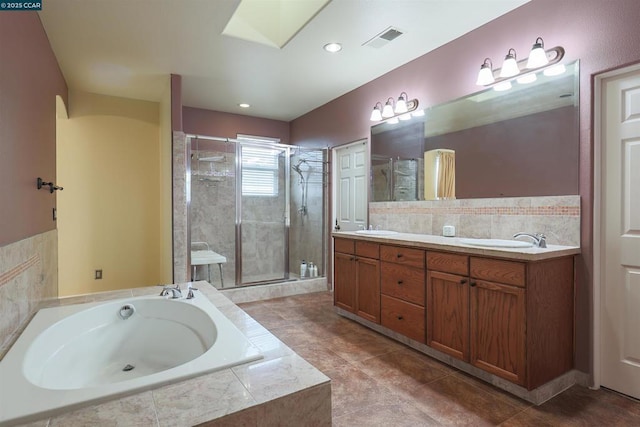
[128,411]
[271,379]
[201,399]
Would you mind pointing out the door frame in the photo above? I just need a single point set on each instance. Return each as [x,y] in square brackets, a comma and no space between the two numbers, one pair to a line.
[598,257]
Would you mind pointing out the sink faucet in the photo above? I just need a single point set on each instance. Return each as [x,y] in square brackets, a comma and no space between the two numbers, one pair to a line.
[539,239]
[175,291]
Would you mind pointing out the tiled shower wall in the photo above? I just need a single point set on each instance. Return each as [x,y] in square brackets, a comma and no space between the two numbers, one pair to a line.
[28,276]
[213,210]
[557,217]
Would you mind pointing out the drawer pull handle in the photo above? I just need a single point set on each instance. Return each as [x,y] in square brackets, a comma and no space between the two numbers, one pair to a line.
[463,281]
[400,318]
[473,283]
[400,282]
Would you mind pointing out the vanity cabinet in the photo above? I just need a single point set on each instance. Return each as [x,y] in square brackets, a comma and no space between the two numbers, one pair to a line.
[511,318]
[357,278]
[447,298]
[402,286]
[492,318]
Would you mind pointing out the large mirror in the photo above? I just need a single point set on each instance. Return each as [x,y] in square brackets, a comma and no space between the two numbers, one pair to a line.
[511,143]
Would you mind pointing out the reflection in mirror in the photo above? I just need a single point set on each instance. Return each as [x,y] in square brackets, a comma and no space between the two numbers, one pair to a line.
[521,142]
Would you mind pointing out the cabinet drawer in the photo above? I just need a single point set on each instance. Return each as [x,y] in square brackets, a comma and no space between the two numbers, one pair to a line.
[495,270]
[367,249]
[400,255]
[448,263]
[401,281]
[345,246]
[403,317]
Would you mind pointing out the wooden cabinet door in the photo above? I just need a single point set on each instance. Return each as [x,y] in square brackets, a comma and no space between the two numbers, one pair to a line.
[344,282]
[498,329]
[368,289]
[448,314]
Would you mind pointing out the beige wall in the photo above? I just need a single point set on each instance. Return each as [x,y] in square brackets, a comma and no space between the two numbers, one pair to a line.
[108,160]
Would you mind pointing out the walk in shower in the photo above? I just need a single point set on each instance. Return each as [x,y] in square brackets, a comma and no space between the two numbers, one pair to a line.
[259,204]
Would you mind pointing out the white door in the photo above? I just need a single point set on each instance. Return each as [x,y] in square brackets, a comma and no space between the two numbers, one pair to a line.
[620,248]
[351,185]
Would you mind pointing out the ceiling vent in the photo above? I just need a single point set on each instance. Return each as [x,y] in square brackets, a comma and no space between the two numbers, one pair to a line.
[384,38]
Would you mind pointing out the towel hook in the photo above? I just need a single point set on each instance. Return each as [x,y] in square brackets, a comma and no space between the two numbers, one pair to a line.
[51,185]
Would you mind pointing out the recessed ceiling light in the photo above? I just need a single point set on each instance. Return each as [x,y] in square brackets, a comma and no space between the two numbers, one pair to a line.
[243,105]
[333,47]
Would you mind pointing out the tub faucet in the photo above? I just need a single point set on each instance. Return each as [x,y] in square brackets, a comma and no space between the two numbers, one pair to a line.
[539,239]
[174,290]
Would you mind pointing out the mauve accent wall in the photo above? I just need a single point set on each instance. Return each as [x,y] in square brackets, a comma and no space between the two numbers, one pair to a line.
[198,121]
[30,79]
[603,35]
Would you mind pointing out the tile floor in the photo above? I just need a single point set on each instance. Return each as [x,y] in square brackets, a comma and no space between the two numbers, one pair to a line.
[376,381]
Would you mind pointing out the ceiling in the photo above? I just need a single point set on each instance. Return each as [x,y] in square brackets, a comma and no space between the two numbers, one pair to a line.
[128,48]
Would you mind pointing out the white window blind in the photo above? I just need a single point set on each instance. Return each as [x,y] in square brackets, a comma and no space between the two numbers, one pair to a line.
[259,171]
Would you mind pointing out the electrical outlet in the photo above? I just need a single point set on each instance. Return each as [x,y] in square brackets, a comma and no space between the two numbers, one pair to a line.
[98,275]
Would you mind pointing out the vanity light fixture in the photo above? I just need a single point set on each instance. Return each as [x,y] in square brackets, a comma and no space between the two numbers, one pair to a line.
[510,65]
[485,76]
[387,111]
[537,57]
[376,114]
[512,69]
[401,104]
[402,109]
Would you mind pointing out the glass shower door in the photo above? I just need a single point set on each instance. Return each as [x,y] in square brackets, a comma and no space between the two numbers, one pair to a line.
[263,212]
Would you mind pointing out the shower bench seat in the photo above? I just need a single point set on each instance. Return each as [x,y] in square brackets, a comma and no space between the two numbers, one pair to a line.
[206,257]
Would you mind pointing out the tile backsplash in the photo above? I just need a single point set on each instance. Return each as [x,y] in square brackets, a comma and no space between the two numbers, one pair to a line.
[28,276]
[557,217]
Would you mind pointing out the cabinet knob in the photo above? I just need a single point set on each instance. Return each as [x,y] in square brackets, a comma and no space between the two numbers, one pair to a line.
[400,318]
[399,256]
[400,282]
[463,281]
[472,284]
[352,258]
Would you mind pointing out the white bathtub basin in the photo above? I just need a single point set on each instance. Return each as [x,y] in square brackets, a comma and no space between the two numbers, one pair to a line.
[88,353]
[496,243]
[160,335]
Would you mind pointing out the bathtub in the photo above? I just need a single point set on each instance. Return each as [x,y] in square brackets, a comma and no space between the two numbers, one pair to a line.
[72,356]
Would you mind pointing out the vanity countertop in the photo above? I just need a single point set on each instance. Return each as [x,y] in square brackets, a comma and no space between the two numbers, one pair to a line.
[454,244]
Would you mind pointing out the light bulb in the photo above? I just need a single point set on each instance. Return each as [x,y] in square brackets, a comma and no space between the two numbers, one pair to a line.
[537,57]
[510,66]
[485,75]
[387,111]
[401,104]
[375,114]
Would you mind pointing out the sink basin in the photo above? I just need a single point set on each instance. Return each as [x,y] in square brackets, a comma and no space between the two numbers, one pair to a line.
[377,232]
[496,243]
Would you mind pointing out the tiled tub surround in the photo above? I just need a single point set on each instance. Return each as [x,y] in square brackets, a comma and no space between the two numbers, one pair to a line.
[28,276]
[280,389]
[558,217]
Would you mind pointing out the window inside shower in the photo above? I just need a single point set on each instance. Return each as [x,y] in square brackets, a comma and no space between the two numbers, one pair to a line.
[261,205]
